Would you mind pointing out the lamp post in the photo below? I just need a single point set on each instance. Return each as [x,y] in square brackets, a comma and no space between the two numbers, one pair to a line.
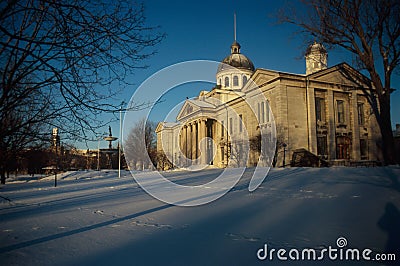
[120,110]
[56,168]
[120,141]
[98,152]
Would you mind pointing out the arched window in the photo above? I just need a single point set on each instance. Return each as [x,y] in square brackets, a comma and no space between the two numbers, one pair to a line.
[226,82]
[220,82]
[244,80]
[235,81]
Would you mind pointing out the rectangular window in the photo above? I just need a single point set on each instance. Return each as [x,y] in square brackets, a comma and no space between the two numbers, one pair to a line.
[340,112]
[267,111]
[222,153]
[360,109]
[320,109]
[222,128]
[262,113]
[363,149]
[240,123]
[235,81]
[322,147]
[259,113]
[230,125]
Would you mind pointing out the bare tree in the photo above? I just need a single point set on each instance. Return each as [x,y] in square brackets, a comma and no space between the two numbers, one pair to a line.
[370,30]
[60,62]
[140,146]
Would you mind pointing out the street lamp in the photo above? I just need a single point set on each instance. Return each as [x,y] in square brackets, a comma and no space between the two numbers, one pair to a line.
[120,110]
[120,140]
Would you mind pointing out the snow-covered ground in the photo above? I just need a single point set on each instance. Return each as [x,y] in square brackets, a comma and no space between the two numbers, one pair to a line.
[94,218]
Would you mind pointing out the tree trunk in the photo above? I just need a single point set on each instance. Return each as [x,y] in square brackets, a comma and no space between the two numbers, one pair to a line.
[385,125]
[3,175]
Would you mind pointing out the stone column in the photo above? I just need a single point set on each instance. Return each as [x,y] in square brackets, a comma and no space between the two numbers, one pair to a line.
[190,141]
[185,146]
[312,121]
[331,125]
[203,145]
[355,128]
[181,140]
[194,141]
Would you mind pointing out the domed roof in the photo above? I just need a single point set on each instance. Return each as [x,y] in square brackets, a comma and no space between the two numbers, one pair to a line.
[316,47]
[236,59]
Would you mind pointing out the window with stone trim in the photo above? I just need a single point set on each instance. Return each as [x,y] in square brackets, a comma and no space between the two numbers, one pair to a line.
[322,146]
[360,110]
[244,80]
[364,149]
[320,109]
[235,81]
[240,123]
[340,112]
[262,112]
[226,82]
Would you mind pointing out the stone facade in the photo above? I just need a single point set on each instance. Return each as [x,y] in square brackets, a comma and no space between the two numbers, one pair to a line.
[324,111]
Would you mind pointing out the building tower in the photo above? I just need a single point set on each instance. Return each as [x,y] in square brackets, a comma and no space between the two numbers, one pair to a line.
[55,141]
[316,58]
[228,76]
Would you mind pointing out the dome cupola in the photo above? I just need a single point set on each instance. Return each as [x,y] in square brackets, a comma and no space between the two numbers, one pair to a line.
[236,59]
[235,70]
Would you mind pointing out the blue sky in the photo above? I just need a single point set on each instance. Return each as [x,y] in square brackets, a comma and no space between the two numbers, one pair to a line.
[203,30]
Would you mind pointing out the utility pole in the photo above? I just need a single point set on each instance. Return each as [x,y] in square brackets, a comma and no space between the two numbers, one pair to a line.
[120,141]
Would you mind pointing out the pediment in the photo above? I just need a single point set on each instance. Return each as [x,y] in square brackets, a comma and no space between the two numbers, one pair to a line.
[261,76]
[342,74]
[159,127]
[264,75]
[165,125]
[194,106]
[187,109]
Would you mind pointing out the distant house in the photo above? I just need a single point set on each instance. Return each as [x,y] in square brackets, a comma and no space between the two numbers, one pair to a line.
[324,111]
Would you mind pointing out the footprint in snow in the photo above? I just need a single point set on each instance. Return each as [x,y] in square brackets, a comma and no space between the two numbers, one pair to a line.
[138,223]
[236,237]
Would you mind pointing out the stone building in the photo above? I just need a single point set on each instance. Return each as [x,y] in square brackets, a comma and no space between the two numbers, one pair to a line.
[324,111]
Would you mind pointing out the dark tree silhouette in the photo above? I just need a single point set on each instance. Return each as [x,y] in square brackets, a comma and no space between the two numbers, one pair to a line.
[60,62]
[368,29]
